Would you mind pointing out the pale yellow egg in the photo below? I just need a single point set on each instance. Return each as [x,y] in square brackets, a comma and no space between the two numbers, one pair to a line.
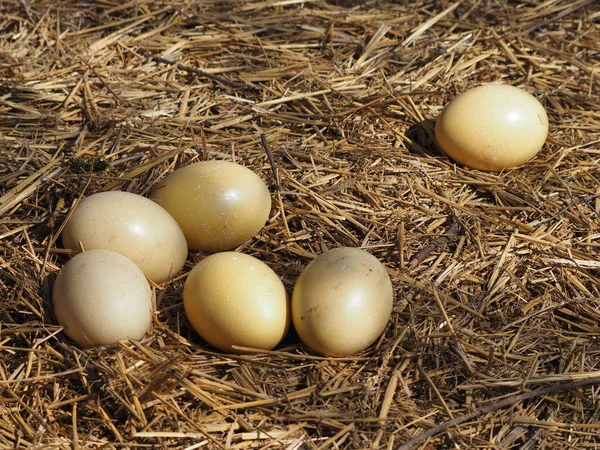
[131,225]
[342,301]
[100,297]
[492,127]
[218,204]
[233,299]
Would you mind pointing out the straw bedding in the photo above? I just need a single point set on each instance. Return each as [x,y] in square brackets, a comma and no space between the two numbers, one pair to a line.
[495,274]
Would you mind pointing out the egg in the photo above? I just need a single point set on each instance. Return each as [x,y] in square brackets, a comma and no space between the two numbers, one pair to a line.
[235,299]
[132,225]
[100,297]
[342,301]
[218,204]
[492,127]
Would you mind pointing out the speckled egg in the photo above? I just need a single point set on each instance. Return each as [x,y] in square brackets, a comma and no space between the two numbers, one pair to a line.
[218,204]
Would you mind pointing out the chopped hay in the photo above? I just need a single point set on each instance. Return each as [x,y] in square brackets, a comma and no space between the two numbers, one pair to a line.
[114,95]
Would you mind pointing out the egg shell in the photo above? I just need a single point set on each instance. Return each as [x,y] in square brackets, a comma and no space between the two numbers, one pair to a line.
[100,297]
[132,225]
[342,301]
[492,127]
[218,204]
[235,299]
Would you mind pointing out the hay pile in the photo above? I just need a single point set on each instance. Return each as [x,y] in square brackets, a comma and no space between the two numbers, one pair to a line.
[114,95]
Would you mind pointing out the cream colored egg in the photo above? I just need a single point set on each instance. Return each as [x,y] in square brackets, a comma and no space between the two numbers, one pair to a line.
[218,204]
[101,297]
[492,127]
[132,225]
[342,301]
[235,299]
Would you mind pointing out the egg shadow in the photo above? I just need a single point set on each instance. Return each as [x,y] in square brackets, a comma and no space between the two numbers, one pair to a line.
[422,134]
[289,340]
[177,321]
[347,3]
[45,292]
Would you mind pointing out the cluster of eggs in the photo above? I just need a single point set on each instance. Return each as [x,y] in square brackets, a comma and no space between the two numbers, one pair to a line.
[342,300]
[340,304]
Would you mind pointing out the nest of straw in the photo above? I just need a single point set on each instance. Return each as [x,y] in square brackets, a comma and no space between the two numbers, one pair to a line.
[493,341]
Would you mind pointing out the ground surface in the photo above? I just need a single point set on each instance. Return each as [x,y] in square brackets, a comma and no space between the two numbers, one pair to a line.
[346,93]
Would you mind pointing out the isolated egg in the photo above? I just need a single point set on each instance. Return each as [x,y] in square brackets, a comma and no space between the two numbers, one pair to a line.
[101,297]
[235,299]
[132,225]
[342,301]
[492,127]
[218,204]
